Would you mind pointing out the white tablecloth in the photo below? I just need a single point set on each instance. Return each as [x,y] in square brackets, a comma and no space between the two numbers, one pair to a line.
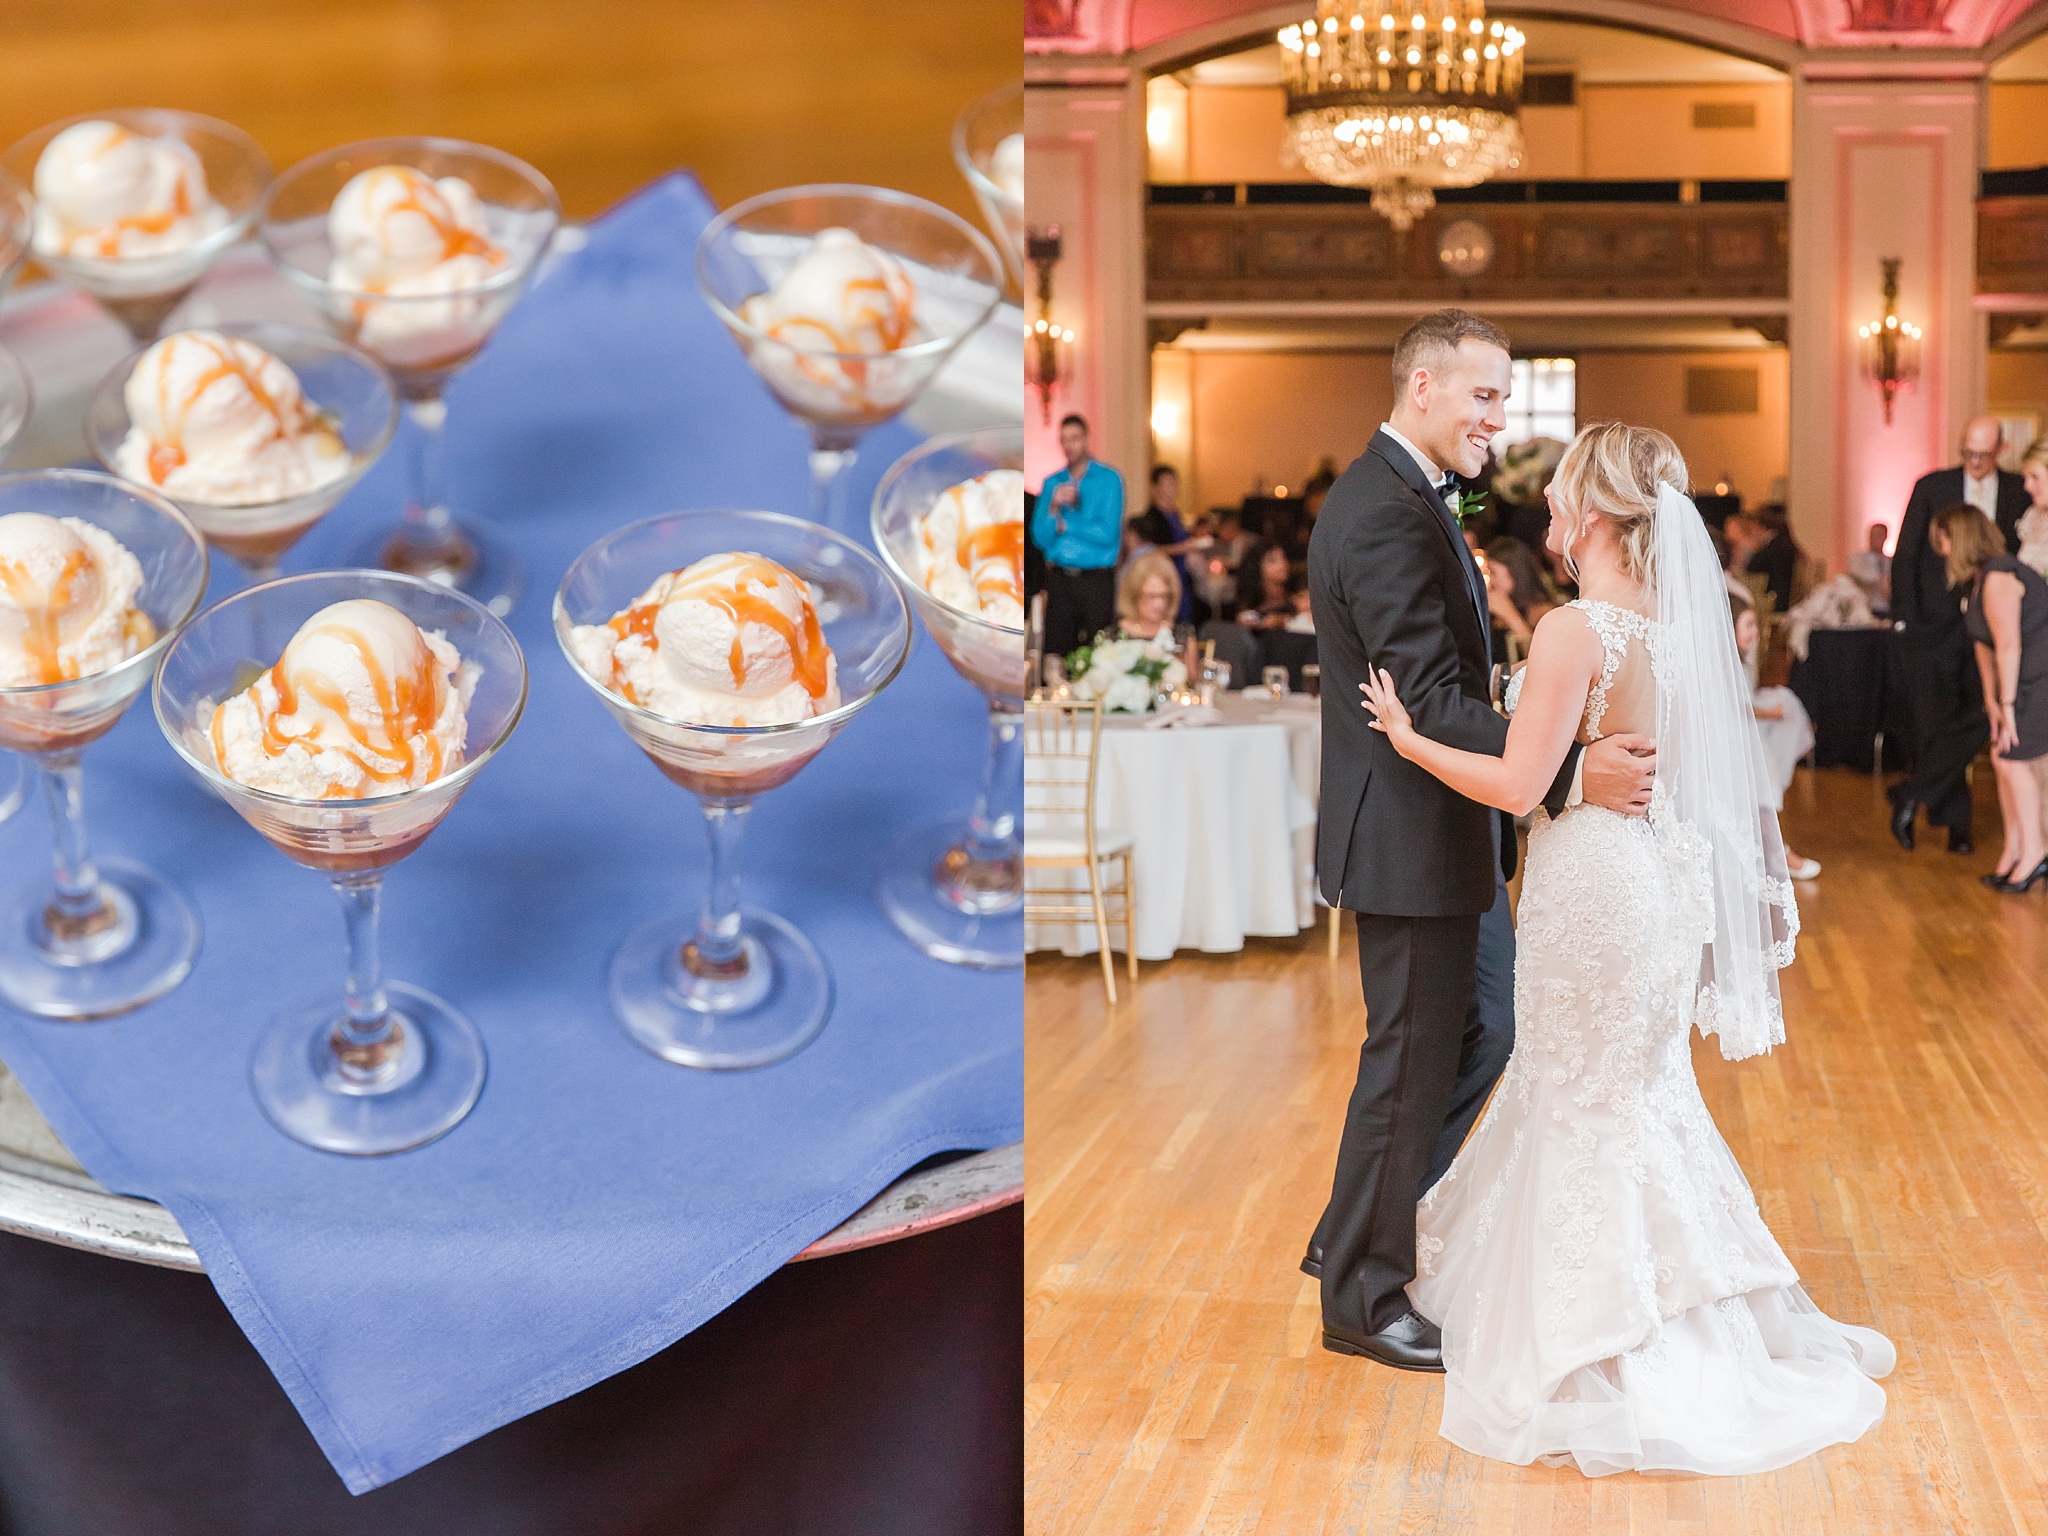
[1223,820]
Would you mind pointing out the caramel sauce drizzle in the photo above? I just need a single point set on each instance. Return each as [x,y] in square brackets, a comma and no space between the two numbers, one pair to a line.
[167,454]
[106,241]
[993,555]
[41,607]
[455,240]
[407,707]
[725,584]
[893,318]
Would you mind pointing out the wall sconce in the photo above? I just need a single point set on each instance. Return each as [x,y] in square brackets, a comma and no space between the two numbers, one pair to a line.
[1047,362]
[1891,346]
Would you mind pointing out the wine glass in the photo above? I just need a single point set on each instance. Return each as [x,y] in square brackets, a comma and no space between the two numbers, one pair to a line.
[386,1066]
[958,281]
[954,886]
[424,339]
[731,987]
[343,384]
[110,934]
[141,291]
[17,403]
[982,151]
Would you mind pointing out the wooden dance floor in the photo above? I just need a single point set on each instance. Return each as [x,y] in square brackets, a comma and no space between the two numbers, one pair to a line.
[1181,1147]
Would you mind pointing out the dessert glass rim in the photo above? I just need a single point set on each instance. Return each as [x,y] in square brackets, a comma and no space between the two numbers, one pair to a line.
[166,633]
[514,273]
[16,370]
[360,462]
[730,217]
[978,178]
[847,707]
[896,472]
[460,775]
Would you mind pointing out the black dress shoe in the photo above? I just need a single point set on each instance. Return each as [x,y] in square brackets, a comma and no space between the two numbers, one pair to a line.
[1902,822]
[1409,1343]
[1959,842]
[1312,1262]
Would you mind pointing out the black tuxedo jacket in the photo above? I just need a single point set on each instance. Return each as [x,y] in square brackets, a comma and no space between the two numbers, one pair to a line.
[1921,597]
[1393,585]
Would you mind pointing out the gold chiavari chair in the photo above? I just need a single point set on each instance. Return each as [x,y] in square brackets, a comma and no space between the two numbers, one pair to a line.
[1062,746]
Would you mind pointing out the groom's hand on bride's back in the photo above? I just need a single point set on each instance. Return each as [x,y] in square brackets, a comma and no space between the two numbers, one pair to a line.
[1619,771]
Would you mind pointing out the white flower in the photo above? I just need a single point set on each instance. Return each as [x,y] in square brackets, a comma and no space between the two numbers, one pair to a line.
[1131,693]
[1174,676]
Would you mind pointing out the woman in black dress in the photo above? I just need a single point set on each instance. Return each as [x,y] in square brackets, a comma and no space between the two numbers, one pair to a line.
[2007,615]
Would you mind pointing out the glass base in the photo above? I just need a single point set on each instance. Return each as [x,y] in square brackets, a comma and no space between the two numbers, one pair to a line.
[471,557]
[13,784]
[960,925]
[145,948]
[429,1087]
[774,1009]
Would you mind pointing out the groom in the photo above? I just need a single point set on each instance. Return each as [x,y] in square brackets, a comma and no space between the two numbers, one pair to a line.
[1394,586]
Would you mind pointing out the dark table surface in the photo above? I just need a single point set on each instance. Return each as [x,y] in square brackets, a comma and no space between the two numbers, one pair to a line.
[1850,685]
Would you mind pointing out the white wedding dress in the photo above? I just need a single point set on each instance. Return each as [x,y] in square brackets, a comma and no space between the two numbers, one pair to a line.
[1608,1292]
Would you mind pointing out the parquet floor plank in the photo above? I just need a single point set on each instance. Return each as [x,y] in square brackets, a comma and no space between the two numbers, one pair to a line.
[1180,1154]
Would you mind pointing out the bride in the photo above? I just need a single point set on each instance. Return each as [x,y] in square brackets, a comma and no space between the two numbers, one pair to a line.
[1608,1293]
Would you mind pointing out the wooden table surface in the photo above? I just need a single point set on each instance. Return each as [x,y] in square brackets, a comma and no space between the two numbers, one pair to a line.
[1181,1148]
[601,95]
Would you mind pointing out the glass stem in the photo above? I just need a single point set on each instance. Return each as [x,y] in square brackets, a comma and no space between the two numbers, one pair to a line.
[426,501]
[76,906]
[367,1039]
[985,872]
[717,951]
[832,456]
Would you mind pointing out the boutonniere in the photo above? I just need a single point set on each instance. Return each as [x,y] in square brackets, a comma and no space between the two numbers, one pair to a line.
[1470,505]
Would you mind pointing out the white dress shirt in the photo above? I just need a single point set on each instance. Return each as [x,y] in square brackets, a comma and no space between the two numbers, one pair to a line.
[1982,494]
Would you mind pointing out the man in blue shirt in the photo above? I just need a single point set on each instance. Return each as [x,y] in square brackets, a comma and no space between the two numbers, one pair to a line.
[1079,527]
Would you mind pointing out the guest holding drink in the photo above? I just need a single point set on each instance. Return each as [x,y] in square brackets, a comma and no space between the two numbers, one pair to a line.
[1078,524]
[2006,615]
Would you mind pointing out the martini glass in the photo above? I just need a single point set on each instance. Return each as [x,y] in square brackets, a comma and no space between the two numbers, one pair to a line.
[424,339]
[727,986]
[958,280]
[384,1066]
[141,291]
[981,129]
[109,935]
[17,403]
[342,384]
[954,886]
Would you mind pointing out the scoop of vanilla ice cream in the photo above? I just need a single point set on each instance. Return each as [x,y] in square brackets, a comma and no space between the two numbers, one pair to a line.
[67,600]
[105,191]
[362,703]
[843,295]
[1006,166]
[971,543]
[395,229]
[732,640]
[219,420]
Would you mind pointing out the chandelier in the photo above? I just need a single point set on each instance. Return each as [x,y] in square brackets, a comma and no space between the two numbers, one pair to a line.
[1402,99]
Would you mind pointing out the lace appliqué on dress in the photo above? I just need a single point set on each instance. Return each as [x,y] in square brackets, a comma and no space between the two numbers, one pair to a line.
[1615,627]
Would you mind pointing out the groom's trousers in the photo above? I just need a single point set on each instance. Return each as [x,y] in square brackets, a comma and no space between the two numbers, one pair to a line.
[1440,1025]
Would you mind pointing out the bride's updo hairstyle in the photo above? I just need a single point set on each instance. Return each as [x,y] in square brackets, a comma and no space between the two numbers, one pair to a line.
[1612,470]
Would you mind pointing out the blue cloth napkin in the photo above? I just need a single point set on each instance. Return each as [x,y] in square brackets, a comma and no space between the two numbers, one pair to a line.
[598,1203]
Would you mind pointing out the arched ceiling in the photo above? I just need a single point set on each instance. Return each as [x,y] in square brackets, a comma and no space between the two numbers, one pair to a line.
[1155,29]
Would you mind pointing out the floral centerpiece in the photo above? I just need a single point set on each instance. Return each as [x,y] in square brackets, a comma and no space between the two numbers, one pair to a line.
[1127,675]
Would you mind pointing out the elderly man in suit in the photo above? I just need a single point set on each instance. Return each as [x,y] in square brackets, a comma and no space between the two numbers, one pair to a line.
[1393,584]
[1941,681]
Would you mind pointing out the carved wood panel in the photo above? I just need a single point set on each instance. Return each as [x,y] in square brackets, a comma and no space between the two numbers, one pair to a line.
[1273,252]
[2012,245]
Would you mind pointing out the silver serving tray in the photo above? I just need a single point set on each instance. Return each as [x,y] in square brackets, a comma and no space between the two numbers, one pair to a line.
[69,343]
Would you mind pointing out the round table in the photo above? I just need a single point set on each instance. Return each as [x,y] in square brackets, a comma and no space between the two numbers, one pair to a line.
[1223,824]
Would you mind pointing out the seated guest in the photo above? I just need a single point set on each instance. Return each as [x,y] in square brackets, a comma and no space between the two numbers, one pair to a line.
[1266,585]
[2006,615]
[1515,593]
[1762,541]
[1871,569]
[1160,526]
[1147,599]
[2033,524]
[1781,721]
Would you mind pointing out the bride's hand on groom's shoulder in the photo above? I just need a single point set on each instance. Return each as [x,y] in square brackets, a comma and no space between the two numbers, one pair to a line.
[1389,713]
[1619,773]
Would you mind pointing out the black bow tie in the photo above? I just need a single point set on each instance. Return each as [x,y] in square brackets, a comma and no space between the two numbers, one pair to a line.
[1449,484]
